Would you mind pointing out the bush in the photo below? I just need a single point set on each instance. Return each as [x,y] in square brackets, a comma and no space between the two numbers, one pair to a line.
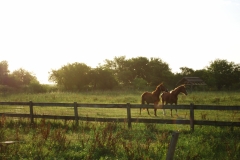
[139,83]
[6,89]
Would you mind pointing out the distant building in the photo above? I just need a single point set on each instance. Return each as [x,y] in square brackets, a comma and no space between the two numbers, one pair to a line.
[191,81]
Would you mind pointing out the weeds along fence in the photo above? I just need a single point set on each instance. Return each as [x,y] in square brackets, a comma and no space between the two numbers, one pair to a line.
[128,119]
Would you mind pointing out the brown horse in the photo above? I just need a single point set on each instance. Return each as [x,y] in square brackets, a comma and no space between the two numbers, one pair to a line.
[153,97]
[172,96]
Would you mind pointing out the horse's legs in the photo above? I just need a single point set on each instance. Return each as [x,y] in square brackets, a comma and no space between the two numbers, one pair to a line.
[176,109]
[155,108]
[143,102]
[148,111]
[171,112]
[164,113]
[171,109]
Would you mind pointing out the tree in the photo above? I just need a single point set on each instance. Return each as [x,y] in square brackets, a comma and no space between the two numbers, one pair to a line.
[71,76]
[139,67]
[117,64]
[158,72]
[119,67]
[185,71]
[3,72]
[23,77]
[139,83]
[154,71]
[224,73]
[101,78]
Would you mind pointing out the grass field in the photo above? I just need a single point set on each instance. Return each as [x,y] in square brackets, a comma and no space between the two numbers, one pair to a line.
[59,139]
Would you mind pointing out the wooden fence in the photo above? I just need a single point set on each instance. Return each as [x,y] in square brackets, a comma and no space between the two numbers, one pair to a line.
[128,118]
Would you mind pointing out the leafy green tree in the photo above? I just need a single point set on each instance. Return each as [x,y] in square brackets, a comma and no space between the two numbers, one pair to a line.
[185,71]
[224,73]
[35,87]
[159,71]
[23,77]
[125,77]
[120,69]
[3,72]
[139,67]
[154,71]
[117,64]
[139,83]
[71,76]
[101,78]
[206,76]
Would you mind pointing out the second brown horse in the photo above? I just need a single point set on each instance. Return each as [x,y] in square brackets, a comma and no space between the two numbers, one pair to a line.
[172,96]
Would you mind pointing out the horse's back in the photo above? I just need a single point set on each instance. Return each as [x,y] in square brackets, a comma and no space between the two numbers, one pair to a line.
[168,97]
[164,95]
[149,98]
[145,94]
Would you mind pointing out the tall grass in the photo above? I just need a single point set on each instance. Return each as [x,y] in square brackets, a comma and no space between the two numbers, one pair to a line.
[61,139]
[222,98]
[64,140]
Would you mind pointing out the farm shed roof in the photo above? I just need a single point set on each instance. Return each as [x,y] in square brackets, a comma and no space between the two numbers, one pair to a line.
[191,81]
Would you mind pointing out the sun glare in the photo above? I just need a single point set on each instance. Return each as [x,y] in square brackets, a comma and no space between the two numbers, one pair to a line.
[40,36]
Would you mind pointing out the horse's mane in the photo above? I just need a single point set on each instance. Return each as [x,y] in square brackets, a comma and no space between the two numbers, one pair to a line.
[175,89]
[179,86]
[156,90]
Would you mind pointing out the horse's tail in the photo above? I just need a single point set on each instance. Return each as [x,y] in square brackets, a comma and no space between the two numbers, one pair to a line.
[143,100]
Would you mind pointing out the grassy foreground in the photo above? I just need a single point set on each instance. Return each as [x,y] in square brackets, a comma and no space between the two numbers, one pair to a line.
[49,139]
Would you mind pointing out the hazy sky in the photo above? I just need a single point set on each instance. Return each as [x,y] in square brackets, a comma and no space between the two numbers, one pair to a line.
[42,35]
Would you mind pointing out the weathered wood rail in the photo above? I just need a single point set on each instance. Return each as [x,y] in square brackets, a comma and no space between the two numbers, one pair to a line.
[128,118]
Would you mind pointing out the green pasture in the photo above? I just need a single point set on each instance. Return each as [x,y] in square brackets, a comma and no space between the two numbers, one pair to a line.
[213,98]
[124,97]
[60,139]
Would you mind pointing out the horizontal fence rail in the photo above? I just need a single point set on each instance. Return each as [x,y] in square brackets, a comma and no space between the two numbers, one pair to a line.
[128,119]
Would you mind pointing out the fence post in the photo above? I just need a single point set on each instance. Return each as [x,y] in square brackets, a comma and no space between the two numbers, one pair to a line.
[31,110]
[129,115]
[192,117]
[172,146]
[76,112]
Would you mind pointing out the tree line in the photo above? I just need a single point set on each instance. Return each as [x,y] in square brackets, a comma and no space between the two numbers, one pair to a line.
[135,73]
[18,80]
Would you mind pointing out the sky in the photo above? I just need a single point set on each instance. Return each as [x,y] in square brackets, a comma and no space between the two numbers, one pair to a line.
[39,36]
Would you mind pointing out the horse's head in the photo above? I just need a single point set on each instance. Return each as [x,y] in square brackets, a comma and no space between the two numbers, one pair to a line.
[183,89]
[162,88]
